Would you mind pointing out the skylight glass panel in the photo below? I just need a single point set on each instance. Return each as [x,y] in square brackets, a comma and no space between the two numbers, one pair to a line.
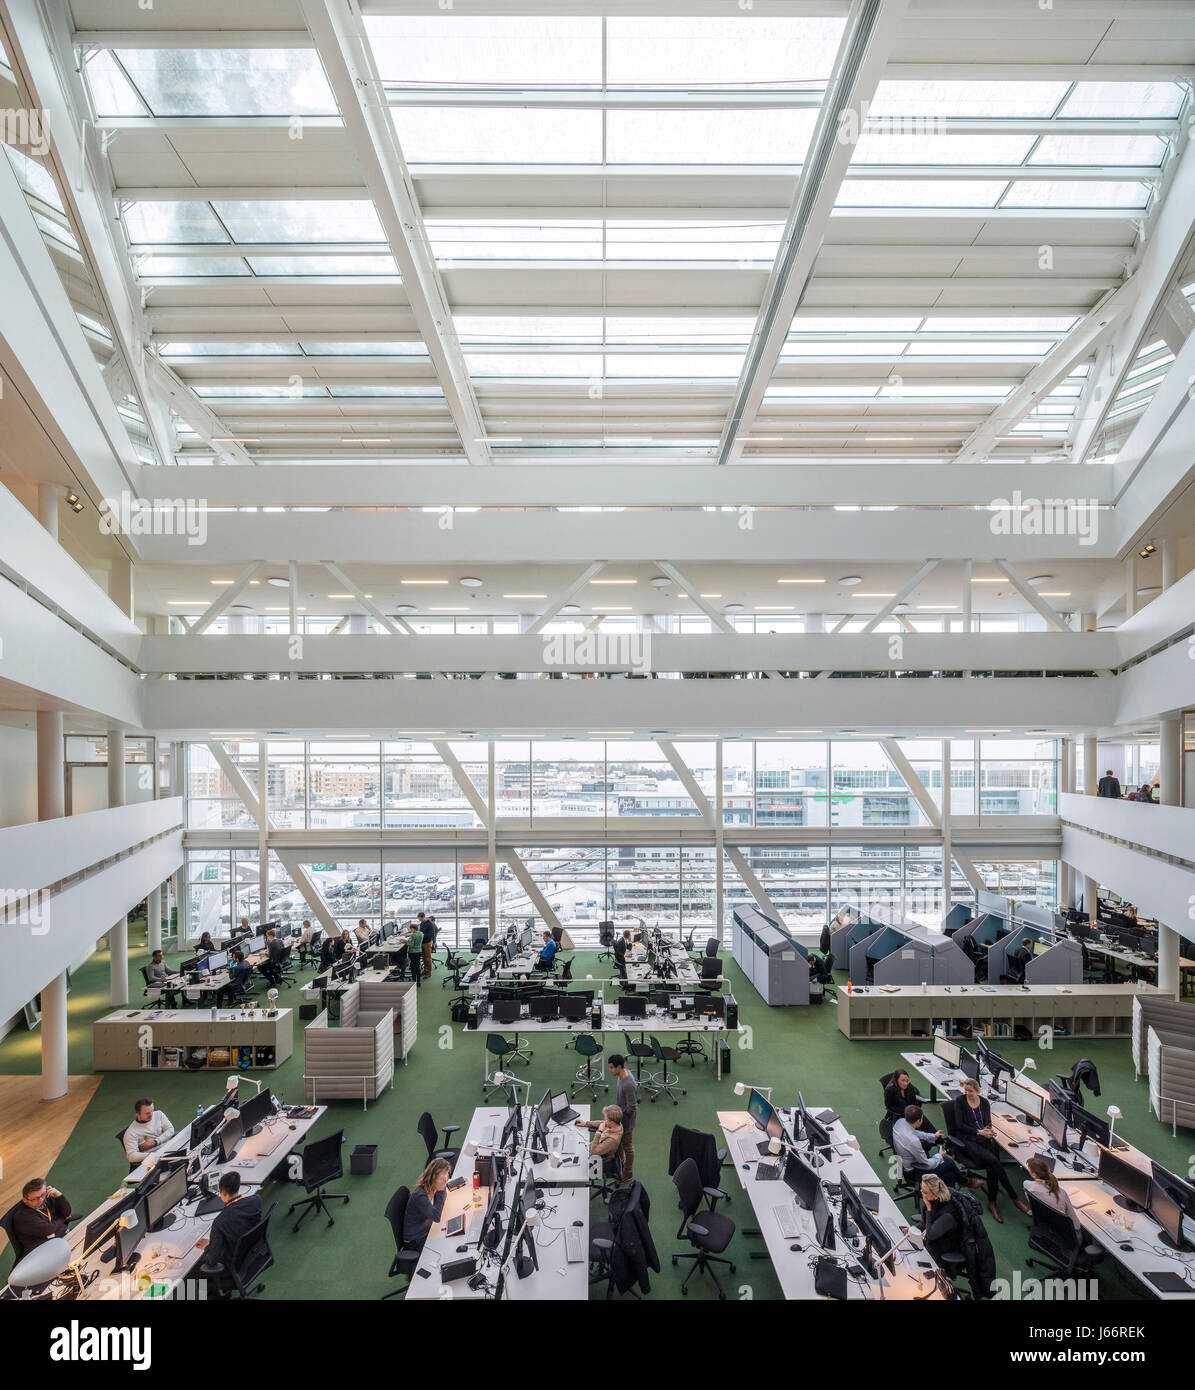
[332,219]
[258,391]
[706,366]
[395,391]
[111,92]
[974,390]
[224,349]
[364,349]
[980,347]
[966,98]
[884,147]
[944,323]
[708,137]
[1146,150]
[679,330]
[715,52]
[1077,193]
[506,240]
[163,223]
[920,193]
[693,241]
[862,392]
[811,323]
[229,81]
[472,328]
[524,135]
[179,267]
[1127,99]
[34,178]
[532,364]
[323,265]
[841,347]
[477,51]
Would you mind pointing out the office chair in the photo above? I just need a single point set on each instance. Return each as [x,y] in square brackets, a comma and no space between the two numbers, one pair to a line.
[1083,1073]
[311,950]
[19,1251]
[587,1046]
[688,941]
[165,992]
[1053,1236]
[953,1266]
[120,1140]
[497,1046]
[709,1232]
[907,1184]
[427,1132]
[405,1260]
[566,969]
[821,969]
[321,1164]
[712,946]
[606,940]
[605,1236]
[823,941]
[885,1081]
[455,966]
[703,1149]
[666,1080]
[639,1050]
[605,1176]
[710,971]
[251,1256]
[286,966]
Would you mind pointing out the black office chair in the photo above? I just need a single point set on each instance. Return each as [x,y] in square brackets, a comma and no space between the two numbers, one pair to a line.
[606,1236]
[823,941]
[821,969]
[321,1165]
[454,966]
[709,1231]
[611,1177]
[310,952]
[406,1259]
[1054,1237]
[710,971]
[712,946]
[19,1251]
[703,1149]
[688,942]
[120,1140]
[250,1257]
[640,1050]
[566,969]
[427,1132]
[908,1184]
[1083,1073]
[165,993]
[606,940]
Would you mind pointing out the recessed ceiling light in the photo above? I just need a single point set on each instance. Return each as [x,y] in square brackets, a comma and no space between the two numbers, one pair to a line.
[423,581]
[1041,579]
[527,596]
[660,582]
[800,581]
[848,581]
[404,608]
[709,595]
[1066,593]
[225,582]
[279,583]
[871,593]
[733,607]
[449,610]
[773,607]
[570,607]
[614,581]
[471,582]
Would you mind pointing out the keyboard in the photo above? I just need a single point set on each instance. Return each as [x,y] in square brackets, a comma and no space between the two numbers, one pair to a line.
[787,1220]
[746,1150]
[574,1244]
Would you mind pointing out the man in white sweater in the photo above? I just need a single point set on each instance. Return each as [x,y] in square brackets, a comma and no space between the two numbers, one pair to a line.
[149,1130]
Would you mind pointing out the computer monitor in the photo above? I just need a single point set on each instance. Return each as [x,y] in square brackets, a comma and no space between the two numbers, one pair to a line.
[817,1136]
[128,1238]
[823,1219]
[1054,1121]
[189,966]
[543,1006]
[1168,1214]
[1180,1190]
[256,943]
[218,960]
[1028,1102]
[877,1241]
[1092,1126]
[489,1235]
[632,1006]
[510,1130]
[230,1136]
[96,1229]
[545,1107]
[968,1064]
[1060,1098]
[992,1062]
[764,1114]
[801,1181]
[203,1125]
[160,1203]
[255,1109]
[202,967]
[572,1005]
[507,1010]
[1130,1183]
[946,1051]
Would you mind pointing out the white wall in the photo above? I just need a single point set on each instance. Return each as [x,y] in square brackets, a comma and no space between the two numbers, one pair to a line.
[18,775]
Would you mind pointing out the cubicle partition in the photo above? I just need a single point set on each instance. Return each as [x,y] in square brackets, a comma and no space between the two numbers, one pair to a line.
[1060,964]
[775,964]
[848,927]
[958,916]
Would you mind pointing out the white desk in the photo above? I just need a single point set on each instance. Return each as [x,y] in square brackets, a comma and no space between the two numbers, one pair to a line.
[914,1276]
[1108,1224]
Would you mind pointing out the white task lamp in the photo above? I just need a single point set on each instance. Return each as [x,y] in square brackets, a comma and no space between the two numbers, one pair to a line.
[504,1078]
[1114,1113]
[742,1087]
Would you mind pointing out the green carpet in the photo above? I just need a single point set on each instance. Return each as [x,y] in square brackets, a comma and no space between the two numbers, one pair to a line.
[787,1048]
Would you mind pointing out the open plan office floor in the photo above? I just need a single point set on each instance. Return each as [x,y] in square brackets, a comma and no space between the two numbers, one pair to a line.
[788,1048]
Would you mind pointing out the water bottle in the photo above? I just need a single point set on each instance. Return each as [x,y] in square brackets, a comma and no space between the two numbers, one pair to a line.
[198,1111]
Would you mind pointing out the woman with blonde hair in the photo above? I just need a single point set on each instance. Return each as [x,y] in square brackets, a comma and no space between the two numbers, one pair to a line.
[425,1205]
[1045,1188]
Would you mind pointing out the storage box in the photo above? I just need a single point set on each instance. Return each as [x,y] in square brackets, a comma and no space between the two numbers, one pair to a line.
[363,1160]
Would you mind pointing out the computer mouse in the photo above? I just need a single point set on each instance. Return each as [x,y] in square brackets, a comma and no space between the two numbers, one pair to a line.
[796,1249]
[1124,1245]
[460,1249]
[578,1223]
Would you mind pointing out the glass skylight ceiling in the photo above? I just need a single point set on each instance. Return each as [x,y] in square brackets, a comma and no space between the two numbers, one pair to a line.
[604,199]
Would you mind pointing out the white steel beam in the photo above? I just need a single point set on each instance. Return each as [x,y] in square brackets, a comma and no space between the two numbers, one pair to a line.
[900,596]
[226,599]
[395,626]
[870,30]
[904,769]
[344,49]
[561,599]
[1032,597]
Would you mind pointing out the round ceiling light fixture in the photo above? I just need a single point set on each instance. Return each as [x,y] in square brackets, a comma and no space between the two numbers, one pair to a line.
[733,607]
[660,582]
[1041,579]
[279,583]
[404,608]
[848,581]
[570,607]
[471,582]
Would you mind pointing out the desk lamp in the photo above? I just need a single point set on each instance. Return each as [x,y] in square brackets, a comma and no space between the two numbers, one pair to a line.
[234,1081]
[1113,1115]
[915,1240]
[742,1087]
[504,1078]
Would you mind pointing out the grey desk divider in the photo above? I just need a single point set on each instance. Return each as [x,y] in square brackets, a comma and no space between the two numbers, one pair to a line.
[857,960]
[848,927]
[1062,964]
[950,965]
[910,963]
[998,952]
[958,916]
[775,964]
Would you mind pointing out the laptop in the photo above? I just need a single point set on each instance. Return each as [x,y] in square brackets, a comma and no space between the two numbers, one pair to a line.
[562,1111]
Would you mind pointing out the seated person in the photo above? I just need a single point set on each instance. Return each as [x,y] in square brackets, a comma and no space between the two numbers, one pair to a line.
[969,1123]
[157,969]
[952,1225]
[547,953]
[607,1132]
[361,931]
[900,1093]
[1016,960]
[240,1213]
[206,944]
[149,1130]
[346,945]
[239,975]
[1045,1188]
[271,967]
[41,1214]
[327,952]
[912,1144]
[425,1205]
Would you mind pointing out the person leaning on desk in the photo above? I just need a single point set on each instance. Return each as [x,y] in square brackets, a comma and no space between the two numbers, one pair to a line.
[425,1206]
[240,1213]
[607,1136]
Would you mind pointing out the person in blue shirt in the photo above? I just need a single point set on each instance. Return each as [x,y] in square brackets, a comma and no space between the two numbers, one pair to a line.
[425,1205]
[548,953]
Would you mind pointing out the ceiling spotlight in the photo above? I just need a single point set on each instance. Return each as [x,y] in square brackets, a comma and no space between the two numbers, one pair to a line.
[471,582]
[848,581]
[279,583]
[1147,550]
[660,582]
[73,502]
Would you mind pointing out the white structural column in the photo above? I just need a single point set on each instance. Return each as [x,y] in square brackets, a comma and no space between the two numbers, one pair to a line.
[54,1082]
[50,772]
[48,497]
[1091,775]
[1169,943]
[947,868]
[1170,760]
[1066,886]
[491,836]
[153,919]
[118,937]
[1130,584]
[1169,562]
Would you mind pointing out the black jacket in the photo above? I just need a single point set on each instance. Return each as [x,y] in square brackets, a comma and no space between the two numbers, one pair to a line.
[895,1100]
[231,1223]
[962,1127]
[634,1250]
[33,1225]
[702,1148]
[956,1227]
[1109,786]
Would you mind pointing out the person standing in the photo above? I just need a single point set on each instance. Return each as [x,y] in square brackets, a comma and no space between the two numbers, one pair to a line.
[1109,785]
[430,931]
[415,953]
[627,1101]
